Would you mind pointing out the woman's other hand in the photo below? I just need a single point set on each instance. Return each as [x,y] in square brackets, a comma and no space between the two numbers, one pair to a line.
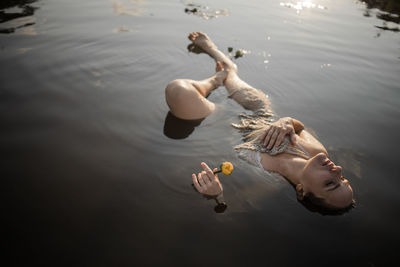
[276,132]
[206,182]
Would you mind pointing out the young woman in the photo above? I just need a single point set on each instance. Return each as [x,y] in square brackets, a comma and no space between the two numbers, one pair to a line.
[283,146]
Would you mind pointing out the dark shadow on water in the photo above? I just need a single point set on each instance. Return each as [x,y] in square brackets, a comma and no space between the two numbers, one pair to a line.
[26,10]
[389,12]
[220,207]
[176,128]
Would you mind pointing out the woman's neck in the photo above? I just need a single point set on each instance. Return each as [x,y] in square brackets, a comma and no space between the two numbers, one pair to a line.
[291,167]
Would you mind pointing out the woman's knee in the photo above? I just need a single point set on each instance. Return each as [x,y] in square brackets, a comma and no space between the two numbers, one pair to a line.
[176,88]
[185,101]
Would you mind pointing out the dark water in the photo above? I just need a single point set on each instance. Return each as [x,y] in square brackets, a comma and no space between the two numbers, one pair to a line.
[90,179]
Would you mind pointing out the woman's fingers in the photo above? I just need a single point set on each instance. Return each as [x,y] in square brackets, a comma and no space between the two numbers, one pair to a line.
[206,178]
[196,183]
[273,139]
[200,179]
[280,138]
[205,166]
[262,137]
[208,171]
[268,137]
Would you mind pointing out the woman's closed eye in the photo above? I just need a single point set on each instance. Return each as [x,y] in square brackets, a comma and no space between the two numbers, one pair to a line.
[329,183]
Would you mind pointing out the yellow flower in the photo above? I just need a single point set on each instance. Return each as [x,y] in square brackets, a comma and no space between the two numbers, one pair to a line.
[227,167]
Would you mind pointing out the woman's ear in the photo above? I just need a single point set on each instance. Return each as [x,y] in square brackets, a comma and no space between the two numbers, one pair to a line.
[299,191]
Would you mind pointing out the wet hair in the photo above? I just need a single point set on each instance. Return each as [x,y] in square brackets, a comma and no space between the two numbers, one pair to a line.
[177,128]
[317,204]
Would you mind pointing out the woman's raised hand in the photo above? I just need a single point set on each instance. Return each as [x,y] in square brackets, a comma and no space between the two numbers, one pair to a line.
[206,182]
[276,132]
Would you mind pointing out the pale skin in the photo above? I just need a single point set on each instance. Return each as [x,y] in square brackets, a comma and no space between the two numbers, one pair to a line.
[318,175]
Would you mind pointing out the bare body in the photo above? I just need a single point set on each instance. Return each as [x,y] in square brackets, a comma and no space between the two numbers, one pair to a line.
[316,175]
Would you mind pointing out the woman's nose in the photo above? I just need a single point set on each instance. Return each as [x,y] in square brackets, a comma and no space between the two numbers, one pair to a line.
[339,169]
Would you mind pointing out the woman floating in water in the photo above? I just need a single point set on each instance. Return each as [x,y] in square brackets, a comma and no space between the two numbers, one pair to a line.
[283,146]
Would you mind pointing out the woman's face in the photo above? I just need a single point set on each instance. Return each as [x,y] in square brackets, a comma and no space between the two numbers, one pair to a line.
[324,179]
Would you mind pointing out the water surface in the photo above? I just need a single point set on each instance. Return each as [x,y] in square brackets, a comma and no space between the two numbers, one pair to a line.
[90,178]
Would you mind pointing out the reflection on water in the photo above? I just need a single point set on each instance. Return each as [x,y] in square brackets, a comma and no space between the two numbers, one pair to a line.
[231,51]
[388,11]
[220,207]
[176,128]
[123,29]
[17,14]
[131,8]
[349,159]
[204,12]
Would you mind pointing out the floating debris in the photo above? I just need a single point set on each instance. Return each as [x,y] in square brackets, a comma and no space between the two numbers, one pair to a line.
[239,52]
[194,10]
[204,12]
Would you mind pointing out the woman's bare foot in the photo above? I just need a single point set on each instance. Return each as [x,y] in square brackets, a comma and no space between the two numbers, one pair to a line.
[202,40]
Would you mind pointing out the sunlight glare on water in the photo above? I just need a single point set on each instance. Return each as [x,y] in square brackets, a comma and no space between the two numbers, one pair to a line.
[298,6]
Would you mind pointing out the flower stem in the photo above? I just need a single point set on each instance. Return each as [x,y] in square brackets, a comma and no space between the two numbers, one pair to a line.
[217,171]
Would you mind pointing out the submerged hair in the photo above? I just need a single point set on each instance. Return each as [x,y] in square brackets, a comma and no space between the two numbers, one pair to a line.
[317,204]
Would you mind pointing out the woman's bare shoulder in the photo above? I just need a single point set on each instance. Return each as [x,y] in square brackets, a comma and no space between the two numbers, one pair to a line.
[310,143]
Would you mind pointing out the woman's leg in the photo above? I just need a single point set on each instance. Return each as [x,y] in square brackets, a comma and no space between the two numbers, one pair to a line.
[243,93]
[187,98]
[246,95]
